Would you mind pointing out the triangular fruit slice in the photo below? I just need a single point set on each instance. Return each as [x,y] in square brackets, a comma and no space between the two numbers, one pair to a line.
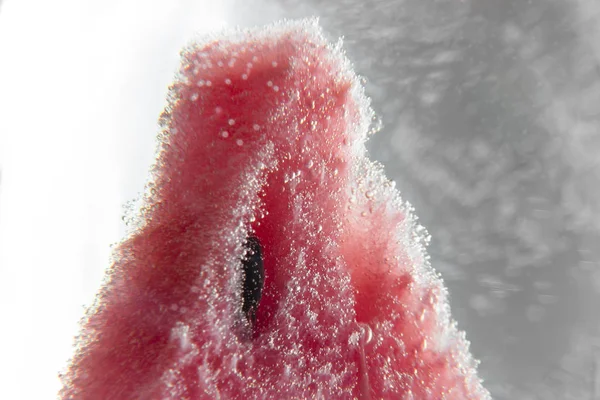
[270,258]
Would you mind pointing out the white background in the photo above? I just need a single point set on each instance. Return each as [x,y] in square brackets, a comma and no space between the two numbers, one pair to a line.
[81,86]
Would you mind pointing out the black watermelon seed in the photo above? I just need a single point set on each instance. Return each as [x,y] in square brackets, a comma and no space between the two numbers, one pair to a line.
[253,277]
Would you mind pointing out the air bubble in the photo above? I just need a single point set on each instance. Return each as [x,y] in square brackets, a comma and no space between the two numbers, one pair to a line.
[218,110]
[181,332]
[274,63]
[309,164]
[535,313]
[200,83]
[276,88]
[220,63]
[208,83]
[255,59]
[367,332]
[231,62]
[239,142]
[225,134]
[270,83]
[255,127]
[369,194]
[231,121]
[244,76]
[194,97]
[249,65]
[228,81]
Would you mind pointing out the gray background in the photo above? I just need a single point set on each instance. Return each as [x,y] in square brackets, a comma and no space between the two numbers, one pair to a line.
[491,128]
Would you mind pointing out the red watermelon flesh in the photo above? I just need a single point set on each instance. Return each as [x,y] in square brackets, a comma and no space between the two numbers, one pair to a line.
[264,135]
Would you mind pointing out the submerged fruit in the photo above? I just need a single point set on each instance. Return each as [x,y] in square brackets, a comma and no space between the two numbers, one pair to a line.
[264,139]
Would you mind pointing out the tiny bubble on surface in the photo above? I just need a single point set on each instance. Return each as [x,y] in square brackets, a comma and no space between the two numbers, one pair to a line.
[309,164]
[200,82]
[244,76]
[231,122]
[208,83]
[367,332]
[239,142]
[276,88]
[274,63]
[256,127]
[228,81]
[225,134]
[249,65]
[269,83]
[194,97]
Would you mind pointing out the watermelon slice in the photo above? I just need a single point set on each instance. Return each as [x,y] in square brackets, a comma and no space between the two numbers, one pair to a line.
[271,259]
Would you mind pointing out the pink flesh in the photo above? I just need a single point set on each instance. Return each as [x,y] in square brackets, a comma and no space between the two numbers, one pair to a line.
[168,322]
